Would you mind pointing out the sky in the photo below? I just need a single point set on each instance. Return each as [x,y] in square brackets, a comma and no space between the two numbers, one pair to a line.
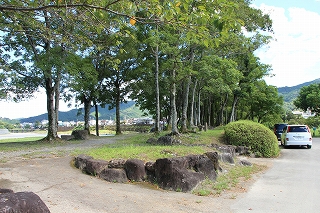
[293,53]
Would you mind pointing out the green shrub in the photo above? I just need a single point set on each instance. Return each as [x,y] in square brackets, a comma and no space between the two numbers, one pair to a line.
[260,139]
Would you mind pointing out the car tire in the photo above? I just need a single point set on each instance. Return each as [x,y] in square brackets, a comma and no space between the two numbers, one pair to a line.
[309,146]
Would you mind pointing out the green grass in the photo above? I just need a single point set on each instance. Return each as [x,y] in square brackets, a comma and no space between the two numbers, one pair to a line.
[145,153]
[229,180]
[19,140]
[135,146]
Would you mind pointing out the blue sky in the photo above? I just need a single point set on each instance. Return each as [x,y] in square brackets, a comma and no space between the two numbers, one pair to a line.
[294,52]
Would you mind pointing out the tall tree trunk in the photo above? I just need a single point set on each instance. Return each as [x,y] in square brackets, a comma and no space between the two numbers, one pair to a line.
[209,111]
[97,118]
[174,128]
[199,110]
[233,109]
[87,107]
[57,99]
[52,127]
[156,76]
[223,105]
[193,103]
[185,104]
[118,124]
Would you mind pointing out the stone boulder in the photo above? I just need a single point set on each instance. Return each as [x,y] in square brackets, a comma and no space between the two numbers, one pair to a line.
[150,172]
[226,149]
[172,174]
[116,163]
[80,134]
[226,158]
[114,175]
[167,141]
[89,165]
[202,164]
[245,163]
[94,167]
[5,191]
[22,202]
[135,170]
[243,150]
[205,166]
[214,157]
[67,137]
[81,161]
[152,141]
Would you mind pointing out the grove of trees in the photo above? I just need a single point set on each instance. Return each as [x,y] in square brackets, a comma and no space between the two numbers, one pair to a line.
[189,62]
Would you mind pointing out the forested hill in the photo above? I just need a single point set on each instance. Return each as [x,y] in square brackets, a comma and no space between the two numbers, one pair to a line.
[290,93]
[128,110]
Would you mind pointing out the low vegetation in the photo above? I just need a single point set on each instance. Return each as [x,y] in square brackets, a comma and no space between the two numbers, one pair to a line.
[230,180]
[258,137]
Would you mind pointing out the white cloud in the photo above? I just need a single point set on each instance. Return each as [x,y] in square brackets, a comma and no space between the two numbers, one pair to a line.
[295,51]
[32,107]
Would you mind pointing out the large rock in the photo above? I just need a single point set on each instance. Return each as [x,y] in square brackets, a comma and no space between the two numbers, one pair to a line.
[243,150]
[150,172]
[167,141]
[205,166]
[172,174]
[81,161]
[117,163]
[114,175]
[94,167]
[214,157]
[22,202]
[202,164]
[226,158]
[135,170]
[226,149]
[80,134]
[5,191]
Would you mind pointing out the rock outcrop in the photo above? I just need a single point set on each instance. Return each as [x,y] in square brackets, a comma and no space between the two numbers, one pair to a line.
[80,134]
[19,202]
[177,173]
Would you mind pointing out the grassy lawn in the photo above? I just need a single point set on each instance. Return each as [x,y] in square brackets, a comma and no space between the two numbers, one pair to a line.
[135,146]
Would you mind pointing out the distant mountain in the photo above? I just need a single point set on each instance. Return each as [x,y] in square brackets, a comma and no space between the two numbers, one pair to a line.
[127,110]
[291,93]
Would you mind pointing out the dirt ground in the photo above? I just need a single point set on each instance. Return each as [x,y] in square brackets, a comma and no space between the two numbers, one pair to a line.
[64,189]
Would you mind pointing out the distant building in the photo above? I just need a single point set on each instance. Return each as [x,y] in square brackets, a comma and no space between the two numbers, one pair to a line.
[306,114]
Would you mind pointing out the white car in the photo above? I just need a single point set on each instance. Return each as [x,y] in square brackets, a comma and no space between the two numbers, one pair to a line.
[296,135]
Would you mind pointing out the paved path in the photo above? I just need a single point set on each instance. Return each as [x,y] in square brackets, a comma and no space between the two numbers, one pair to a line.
[291,185]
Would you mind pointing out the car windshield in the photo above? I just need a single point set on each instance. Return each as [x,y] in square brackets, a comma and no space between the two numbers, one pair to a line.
[298,129]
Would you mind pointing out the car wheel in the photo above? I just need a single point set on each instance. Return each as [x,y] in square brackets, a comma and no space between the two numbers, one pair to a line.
[309,146]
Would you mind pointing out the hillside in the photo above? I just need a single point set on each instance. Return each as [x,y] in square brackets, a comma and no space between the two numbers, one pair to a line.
[127,110]
[291,93]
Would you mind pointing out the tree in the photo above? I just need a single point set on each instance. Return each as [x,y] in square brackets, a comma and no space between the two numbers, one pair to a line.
[309,98]
[264,101]
[83,83]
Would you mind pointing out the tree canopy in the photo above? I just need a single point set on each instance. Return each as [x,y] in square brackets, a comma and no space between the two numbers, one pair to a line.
[309,98]
[186,62]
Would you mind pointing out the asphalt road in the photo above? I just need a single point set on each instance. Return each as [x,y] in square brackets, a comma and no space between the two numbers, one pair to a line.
[291,185]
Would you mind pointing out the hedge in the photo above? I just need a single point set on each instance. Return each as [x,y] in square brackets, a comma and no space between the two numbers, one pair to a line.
[260,139]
